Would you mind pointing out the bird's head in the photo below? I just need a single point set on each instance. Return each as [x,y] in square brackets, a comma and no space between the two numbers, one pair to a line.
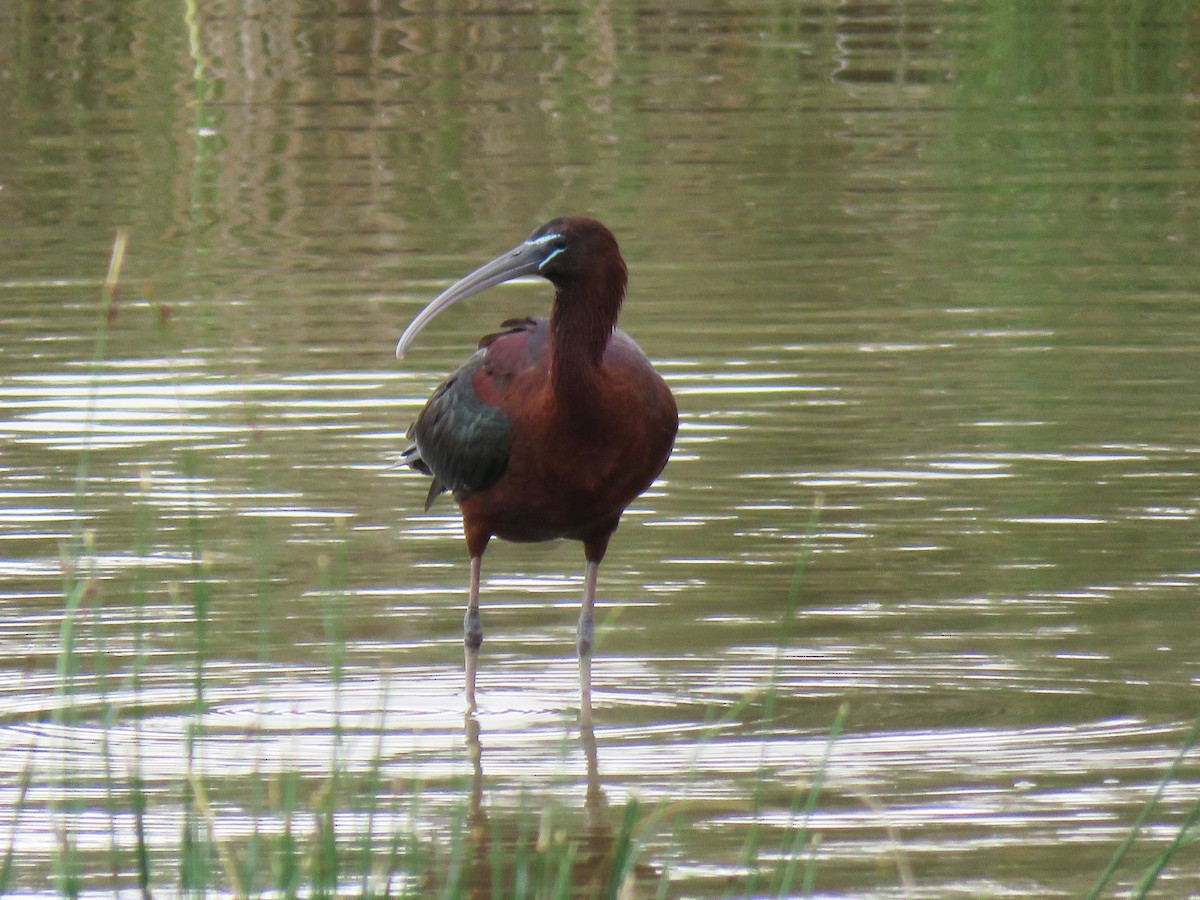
[579,248]
[565,251]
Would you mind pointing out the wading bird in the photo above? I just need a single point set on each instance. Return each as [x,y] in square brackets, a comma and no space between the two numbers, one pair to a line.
[553,427]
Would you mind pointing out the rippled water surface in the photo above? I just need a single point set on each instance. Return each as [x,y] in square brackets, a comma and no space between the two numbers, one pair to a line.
[925,284]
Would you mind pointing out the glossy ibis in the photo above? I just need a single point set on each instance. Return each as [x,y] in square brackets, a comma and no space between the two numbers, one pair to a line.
[553,427]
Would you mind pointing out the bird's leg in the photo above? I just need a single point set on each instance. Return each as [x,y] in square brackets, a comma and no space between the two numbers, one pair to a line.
[587,611]
[593,551]
[587,635]
[472,631]
[585,691]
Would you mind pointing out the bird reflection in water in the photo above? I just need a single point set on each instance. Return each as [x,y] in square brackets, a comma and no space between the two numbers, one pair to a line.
[593,851]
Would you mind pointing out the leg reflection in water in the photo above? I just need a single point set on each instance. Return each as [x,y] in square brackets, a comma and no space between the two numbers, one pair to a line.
[544,833]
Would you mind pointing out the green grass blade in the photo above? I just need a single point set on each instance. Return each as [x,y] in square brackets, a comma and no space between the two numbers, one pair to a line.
[624,851]
[1185,835]
[1144,815]
[6,867]
[791,852]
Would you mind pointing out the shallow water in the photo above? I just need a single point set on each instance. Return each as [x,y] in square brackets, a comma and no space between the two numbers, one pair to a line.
[923,282]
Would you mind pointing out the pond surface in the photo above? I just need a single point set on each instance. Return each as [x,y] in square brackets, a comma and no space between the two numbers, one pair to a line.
[924,282]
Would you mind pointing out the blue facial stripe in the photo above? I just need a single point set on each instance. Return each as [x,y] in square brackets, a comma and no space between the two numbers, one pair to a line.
[543,263]
[545,239]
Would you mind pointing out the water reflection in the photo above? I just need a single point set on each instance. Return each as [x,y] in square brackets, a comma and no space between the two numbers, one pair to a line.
[593,857]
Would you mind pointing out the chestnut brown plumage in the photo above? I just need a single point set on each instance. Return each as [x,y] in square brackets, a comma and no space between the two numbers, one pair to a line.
[553,427]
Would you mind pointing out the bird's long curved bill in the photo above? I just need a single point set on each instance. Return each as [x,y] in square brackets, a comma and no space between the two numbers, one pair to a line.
[524,259]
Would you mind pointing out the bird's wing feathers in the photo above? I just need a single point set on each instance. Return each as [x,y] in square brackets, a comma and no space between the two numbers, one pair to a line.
[458,438]
[510,326]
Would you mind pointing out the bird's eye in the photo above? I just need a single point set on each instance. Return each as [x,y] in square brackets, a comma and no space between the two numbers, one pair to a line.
[557,244]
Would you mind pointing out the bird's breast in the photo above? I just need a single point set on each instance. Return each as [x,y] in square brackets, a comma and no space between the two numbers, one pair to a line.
[574,463]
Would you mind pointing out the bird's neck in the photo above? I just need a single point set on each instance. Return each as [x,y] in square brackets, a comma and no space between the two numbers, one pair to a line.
[581,325]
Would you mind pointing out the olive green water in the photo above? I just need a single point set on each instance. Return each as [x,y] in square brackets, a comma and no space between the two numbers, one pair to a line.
[924,277]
